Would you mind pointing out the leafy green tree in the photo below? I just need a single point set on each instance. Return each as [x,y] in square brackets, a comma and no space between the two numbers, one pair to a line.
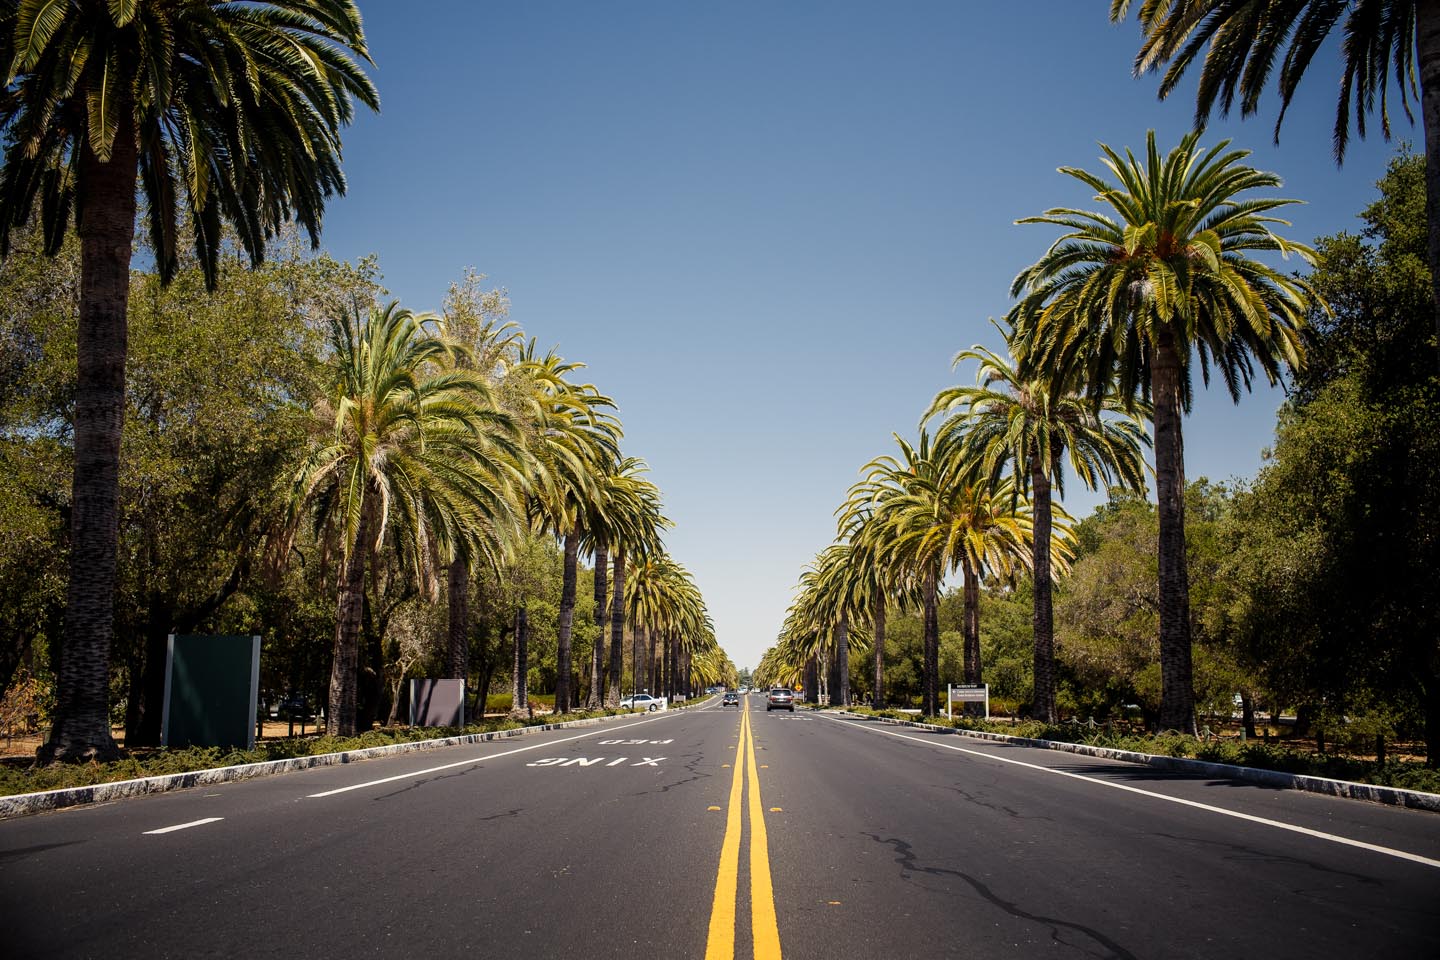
[413,450]
[1124,301]
[1030,429]
[254,154]
[1242,42]
[1338,543]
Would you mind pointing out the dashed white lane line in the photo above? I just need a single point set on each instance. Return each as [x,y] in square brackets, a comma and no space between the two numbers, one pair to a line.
[184,826]
[1279,825]
[474,760]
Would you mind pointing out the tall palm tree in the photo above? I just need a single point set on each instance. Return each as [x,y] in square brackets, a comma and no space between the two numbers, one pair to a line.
[884,585]
[253,153]
[573,440]
[1122,302]
[1030,428]
[636,525]
[1242,39]
[477,320]
[411,450]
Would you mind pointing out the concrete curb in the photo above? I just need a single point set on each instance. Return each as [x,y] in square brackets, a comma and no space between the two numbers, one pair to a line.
[23,804]
[1394,796]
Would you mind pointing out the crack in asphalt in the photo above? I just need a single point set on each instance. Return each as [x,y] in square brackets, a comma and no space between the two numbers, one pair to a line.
[513,812]
[420,783]
[690,765]
[905,856]
[998,808]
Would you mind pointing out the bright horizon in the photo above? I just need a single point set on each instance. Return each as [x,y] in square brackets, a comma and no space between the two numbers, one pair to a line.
[768,232]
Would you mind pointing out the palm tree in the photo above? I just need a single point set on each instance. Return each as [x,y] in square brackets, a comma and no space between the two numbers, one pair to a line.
[573,440]
[475,319]
[1242,39]
[1030,428]
[939,514]
[1121,303]
[663,603]
[881,583]
[411,449]
[255,154]
[636,524]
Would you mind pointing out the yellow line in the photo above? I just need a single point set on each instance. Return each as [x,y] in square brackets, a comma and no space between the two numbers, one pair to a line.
[763,927]
[721,942]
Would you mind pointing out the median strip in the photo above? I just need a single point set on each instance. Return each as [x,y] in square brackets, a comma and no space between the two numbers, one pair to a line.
[765,932]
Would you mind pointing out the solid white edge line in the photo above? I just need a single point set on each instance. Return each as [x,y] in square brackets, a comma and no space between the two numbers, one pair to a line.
[663,714]
[1293,828]
[183,826]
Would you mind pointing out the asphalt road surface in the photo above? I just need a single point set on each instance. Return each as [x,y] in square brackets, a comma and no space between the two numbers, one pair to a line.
[716,833]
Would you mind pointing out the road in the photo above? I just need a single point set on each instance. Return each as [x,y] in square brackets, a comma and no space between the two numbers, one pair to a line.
[715,833]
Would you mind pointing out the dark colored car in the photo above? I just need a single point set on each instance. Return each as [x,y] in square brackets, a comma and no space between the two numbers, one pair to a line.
[294,707]
[780,698]
[731,699]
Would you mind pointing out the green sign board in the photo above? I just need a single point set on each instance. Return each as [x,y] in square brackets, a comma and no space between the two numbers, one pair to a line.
[211,688]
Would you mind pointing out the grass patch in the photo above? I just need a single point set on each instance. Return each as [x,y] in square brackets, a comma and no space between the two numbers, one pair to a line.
[25,776]
[1406,775]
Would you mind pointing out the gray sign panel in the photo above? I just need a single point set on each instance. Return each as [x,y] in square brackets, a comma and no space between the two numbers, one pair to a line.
[437,703]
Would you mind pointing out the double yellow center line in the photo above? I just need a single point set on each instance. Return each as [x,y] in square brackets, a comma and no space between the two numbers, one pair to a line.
[764,931]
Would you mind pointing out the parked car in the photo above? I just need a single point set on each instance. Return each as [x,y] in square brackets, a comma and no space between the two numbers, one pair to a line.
[642,701]
[731,699]
[293,707]
[780,698]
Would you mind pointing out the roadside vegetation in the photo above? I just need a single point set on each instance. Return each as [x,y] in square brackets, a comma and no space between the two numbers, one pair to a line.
[1342,761]
[1309,595]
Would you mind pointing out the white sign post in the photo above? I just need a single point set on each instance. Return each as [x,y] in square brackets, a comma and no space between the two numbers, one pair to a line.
[967,693]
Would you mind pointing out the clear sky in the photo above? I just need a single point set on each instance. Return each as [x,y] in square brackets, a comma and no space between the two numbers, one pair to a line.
[767,228]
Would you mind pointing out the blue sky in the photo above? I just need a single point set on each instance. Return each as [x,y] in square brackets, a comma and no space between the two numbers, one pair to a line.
[767,228]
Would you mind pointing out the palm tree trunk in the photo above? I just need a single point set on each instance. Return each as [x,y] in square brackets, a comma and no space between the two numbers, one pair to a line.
[930,704]
[106,224]
[1427,45]
[602,620]
[340,710]
[1177,696]
[617,633]
[458,662]
[842,659]
[519,678]
[1043,705]
[566,628]
[971,583]
[877,622]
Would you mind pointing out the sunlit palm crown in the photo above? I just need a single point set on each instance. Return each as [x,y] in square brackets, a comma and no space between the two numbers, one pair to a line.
[660,594]
[937,511]
[1005,420]
[572,438]
[404,425]
[236,108]
[1171,256]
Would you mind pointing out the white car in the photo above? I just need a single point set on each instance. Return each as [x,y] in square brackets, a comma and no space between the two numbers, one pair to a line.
[642,701]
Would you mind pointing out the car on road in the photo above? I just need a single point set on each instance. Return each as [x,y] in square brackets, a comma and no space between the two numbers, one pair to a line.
[780,698]
[642,701]
[731,699]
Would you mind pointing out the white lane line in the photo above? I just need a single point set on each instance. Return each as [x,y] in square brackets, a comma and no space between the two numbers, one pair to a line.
[1333,838]
[474,760]
[184,826]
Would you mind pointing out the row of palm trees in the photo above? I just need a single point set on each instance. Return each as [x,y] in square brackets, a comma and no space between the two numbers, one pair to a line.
[450,453]
[1103,336]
